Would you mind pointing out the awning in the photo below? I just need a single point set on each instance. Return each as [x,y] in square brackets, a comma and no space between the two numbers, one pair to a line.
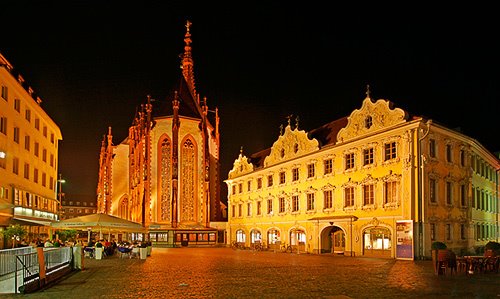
[31,222]
[8,220]
[337,218]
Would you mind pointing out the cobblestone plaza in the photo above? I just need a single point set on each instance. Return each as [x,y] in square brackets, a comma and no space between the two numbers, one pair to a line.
[227,273]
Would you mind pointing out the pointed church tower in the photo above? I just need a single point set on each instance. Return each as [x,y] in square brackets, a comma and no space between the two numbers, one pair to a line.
[171,160]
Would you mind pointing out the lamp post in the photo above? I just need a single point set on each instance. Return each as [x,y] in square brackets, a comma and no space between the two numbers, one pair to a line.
[59,196]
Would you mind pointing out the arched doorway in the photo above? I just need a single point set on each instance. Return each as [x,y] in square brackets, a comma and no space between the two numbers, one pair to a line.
[377,242]
[255,238]
[241,236]
[298,239]
[332,240]
[273,239]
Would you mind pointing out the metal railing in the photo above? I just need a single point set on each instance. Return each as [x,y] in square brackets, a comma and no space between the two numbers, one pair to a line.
[27,266]
[8,258]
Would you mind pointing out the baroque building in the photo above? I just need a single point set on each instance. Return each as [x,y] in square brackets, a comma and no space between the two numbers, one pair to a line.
[29,141]
[165,174]
[379,182]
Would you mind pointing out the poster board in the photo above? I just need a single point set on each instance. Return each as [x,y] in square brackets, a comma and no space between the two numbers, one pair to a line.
[404,239]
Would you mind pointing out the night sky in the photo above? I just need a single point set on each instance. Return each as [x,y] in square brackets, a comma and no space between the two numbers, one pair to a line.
[93,64]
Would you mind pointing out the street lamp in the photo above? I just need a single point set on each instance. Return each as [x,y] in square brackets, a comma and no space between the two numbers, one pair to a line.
[59,196]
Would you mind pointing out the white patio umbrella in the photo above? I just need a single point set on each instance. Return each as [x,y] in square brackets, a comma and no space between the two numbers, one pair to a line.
[100,222]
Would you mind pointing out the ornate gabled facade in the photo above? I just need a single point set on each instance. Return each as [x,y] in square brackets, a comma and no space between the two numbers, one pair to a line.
[165,174]
[375,183]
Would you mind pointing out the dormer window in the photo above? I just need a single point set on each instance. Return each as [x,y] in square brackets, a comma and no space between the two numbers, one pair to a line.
[368,122]
[295,148]
[282,153]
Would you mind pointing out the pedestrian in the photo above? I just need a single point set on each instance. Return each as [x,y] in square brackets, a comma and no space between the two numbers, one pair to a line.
[48,243]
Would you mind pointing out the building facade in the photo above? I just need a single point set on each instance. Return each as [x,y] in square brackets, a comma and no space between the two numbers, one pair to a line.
[165,174]
[29,141]
[76,208]
[376,183]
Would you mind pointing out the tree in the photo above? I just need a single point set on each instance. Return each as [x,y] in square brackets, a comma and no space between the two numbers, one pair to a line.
[67,234]
[14,232]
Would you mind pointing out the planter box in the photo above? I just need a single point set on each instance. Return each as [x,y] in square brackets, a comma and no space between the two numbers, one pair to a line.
[143,252]
[98,253]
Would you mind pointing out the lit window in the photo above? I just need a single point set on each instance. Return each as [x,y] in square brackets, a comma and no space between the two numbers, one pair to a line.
[390,151]
[282,177]
[327,199]
[390,192]
[349,197]
[295,203]
[310,201]
[449,193]
[5,92]
[27,142]
[368,122]
[16,135]
[432,148]
[3,125]
[368,156]
[17,105]
[15,166]
[310,170]
[349,161]
[27,115]
[295,174]
[26,171]
[281,207]
[368,194]
[328,166]
[432,190]
[269,206]
[270,180]
[448,153]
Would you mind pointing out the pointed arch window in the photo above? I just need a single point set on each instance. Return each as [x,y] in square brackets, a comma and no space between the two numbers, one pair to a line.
[165,178]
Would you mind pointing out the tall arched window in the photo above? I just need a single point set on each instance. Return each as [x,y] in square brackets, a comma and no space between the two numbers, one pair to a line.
[123,208]
[188,180]
[165,176]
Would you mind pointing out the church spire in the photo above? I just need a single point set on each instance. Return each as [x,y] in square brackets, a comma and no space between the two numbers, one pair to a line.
[187,61]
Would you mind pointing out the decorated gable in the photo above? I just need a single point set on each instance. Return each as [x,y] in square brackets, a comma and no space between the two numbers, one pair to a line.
[373,116]
[290,144]
[240,166]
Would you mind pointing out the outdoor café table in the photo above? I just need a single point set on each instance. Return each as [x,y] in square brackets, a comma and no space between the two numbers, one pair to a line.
[89,251]
[124,251]
[474,263]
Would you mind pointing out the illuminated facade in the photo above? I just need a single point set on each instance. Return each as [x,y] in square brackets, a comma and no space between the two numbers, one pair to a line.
[28,156]
[76,208]
[375,183]
[165,174]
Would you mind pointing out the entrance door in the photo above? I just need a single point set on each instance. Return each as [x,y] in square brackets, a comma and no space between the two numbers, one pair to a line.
[338,241]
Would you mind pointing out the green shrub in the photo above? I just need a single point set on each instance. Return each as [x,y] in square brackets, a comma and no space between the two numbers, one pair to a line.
[14,232]
[492,245]
[438,245]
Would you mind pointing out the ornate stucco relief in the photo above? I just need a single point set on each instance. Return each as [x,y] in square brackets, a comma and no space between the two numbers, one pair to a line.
[371,117]
[291,144]
[240,166]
